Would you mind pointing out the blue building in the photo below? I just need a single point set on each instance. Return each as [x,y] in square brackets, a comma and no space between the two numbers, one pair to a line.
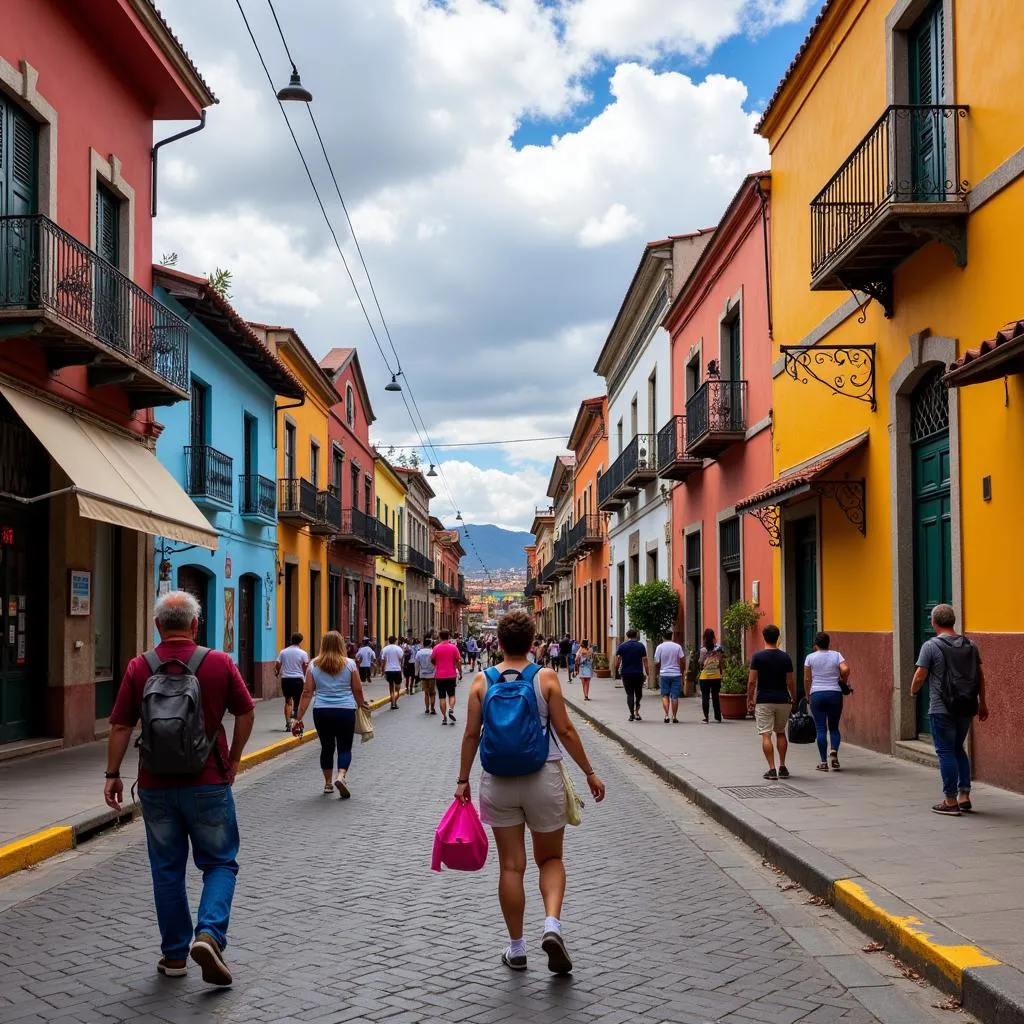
[220,446]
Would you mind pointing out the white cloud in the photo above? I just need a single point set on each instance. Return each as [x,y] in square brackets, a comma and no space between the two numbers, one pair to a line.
[494,496]
[615,224]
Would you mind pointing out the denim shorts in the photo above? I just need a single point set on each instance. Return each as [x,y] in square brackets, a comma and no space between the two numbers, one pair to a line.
[672,686]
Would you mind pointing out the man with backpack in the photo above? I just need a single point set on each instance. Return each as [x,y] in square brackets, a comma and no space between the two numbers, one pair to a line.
[951,666]
[181,692]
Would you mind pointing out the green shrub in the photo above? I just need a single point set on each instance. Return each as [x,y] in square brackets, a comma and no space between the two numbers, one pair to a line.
[739,618]
[653,608]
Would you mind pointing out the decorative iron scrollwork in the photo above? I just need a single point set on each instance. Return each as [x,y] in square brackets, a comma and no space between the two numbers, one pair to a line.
[849,496]
[770,517]
[845,369]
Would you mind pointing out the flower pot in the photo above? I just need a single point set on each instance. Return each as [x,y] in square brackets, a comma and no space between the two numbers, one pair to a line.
[603,673]
[734,705]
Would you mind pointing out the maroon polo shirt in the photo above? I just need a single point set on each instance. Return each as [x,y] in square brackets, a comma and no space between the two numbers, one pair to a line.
[221,689]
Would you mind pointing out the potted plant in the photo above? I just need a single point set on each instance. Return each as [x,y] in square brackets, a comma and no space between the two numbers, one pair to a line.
[653,609]
[739,618]
[601,669]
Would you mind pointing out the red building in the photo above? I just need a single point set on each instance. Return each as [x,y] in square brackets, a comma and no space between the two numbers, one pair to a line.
[718,445]
[351,558]
[88,354]
[448,586]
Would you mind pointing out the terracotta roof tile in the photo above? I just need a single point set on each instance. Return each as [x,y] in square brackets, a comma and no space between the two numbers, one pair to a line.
[990,359]
[181,48]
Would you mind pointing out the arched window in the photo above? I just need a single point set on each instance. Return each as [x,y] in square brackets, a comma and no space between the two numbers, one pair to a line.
[350,406]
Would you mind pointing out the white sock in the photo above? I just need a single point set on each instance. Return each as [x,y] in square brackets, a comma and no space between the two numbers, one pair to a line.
[517,947]
[552,924]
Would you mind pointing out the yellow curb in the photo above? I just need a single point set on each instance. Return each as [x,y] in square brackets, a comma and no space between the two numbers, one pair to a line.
[950,960]
[32,849]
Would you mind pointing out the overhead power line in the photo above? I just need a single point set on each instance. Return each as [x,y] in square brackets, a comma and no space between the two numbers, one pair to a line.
[479,444]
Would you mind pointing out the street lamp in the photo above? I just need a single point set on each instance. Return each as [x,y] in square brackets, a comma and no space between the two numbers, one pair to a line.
[295,91]
[394,385]
[432,471]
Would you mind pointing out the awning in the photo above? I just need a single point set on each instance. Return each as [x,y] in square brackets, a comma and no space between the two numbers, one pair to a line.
[996,357]
[117,480]
[800,480]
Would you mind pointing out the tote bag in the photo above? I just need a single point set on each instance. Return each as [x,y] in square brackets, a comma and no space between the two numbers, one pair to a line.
[460,842]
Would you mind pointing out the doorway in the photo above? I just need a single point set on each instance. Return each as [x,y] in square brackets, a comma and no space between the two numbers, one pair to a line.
[314,611]
[21,708]
[291,602]
[933,545]
[196,582]
[805,543]
[247,605]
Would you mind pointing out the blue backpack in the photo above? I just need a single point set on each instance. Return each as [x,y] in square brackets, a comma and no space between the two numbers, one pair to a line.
[514,742]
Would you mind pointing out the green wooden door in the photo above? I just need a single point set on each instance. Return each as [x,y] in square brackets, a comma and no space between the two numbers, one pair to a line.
[805,542]
[21,690]
[110,299]
[18,163]
[933,548]
[926,58]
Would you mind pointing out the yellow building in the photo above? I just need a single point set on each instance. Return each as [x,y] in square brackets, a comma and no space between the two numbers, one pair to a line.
[896,161]
[308,514]
[390,569]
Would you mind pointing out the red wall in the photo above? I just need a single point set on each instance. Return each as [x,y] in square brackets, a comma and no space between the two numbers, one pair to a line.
[733,261]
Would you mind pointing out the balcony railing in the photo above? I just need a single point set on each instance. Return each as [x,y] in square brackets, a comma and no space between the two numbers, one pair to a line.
[328,514]
[208,474]
[87,312]
[640,461]
[296,500]
[257,497]
[459,593]
[674,462]
[863,222]
[715,417]
[366,532]
[531,587]
[612,490]
[414,559]
[586,534]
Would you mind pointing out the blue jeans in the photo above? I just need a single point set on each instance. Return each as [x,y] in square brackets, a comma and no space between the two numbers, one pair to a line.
[949,732]
[827,709]
[204,815]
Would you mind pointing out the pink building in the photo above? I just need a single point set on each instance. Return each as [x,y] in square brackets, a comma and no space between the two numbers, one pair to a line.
[717,447]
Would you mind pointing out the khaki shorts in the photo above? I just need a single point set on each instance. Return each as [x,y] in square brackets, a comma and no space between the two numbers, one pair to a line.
[429,686]
[537,799]
[771,717]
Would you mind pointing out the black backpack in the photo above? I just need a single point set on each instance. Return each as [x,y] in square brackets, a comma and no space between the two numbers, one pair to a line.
[174,740]
[960,686]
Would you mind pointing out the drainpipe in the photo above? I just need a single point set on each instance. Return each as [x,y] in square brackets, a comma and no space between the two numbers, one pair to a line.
[163,142]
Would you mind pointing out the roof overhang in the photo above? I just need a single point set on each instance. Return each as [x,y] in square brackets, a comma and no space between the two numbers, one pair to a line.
[590,410]
[562,469]
[994,358]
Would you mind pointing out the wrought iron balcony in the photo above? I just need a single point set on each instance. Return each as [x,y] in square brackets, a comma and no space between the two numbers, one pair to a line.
[547,574]
[715,417]
[612,490]
[531,587]
[459,593]
[257,498]
[586,534]
[296,501]
[563,563]
[328,514]
[208,475]
[366,533]
[674,462]
[899,189]
[640,461]
[415,560]
[84,312]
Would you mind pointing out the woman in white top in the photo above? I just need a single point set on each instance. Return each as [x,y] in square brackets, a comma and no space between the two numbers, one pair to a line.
[825,676]
[537,802]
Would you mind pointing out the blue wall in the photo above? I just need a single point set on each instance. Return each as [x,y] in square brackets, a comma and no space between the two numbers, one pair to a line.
[235,392]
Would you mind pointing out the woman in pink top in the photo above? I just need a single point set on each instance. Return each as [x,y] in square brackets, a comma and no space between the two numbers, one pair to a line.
[446,659]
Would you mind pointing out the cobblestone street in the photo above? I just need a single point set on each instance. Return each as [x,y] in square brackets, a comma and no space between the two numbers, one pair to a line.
[338,918]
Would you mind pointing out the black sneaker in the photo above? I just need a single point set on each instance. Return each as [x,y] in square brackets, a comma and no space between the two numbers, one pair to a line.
[206,952]
[451,716]
[559,961]
[944,808]
[513,963]
[771,775]
[433,711]
[632,718]
[783,772]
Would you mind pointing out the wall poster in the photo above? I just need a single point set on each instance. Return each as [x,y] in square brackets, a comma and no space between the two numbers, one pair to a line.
[229,620]
[79,592]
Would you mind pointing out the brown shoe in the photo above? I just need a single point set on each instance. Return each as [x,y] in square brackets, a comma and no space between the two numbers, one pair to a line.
[207,953]
[172,968]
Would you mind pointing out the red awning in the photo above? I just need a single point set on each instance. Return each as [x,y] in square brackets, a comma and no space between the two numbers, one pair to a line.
[798,481]
[995,357]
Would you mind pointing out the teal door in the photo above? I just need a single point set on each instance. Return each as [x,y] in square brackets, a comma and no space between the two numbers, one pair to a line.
[111,312]
[805,542]
[933,548]
[18,160]
[926,52]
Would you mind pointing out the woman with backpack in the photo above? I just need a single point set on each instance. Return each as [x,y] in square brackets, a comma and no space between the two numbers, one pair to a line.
[585,666]
[333,679]
[518,721]
[709,665]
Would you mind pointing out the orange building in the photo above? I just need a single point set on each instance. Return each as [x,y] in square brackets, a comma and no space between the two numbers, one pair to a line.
[588,534]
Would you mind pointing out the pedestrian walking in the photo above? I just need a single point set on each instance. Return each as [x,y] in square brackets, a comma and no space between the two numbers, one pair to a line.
[572,658]
[554,654]
[709,663]
[181,692]
[391,658]
[669,657]
[523,788]
[460,643]
[950,664]
[473,654]
[632,665]
[426,671]
[770,695]
[290,667]
[585,667]
[366,657]
[332,685]
[445,657]
[566,658]
[825,675]
[409,649]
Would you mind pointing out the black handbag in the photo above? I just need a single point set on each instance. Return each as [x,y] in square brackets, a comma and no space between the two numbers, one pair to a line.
[801,727]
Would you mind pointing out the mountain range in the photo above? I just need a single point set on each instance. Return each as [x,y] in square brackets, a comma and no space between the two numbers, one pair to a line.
[499,548]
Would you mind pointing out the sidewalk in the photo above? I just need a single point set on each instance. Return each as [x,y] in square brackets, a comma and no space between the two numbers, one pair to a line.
[62,787]
[945,891]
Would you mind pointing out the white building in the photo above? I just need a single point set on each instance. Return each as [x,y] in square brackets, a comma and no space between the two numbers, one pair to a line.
[635,365]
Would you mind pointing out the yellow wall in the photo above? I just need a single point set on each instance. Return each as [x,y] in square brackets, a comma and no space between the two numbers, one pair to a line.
[390,574]
[819,122]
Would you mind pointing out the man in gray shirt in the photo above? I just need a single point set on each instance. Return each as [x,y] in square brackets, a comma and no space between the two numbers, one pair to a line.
[950,726]
[427,672]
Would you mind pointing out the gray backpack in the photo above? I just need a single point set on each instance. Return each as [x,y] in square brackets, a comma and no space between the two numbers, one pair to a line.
[174,740]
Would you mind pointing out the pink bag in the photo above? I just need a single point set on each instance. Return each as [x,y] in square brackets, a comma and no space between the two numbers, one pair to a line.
[460,842]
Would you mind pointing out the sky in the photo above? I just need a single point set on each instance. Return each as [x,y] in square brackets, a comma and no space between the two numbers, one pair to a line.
[504,163]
